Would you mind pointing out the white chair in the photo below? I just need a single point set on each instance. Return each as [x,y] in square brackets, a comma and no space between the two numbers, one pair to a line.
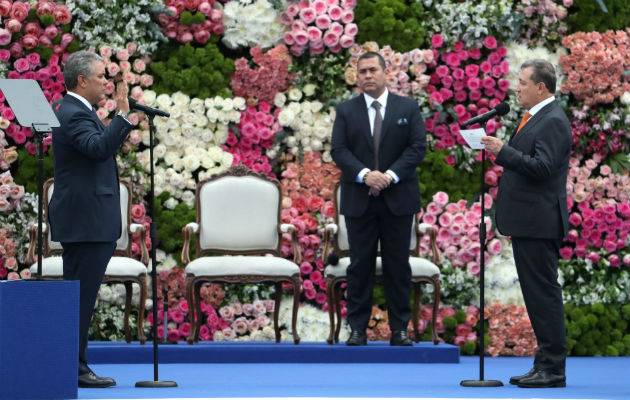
[122,268]
[238,221]
[422,271]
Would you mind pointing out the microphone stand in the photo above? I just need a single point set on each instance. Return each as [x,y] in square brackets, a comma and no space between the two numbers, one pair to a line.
[155,383]
[481,382]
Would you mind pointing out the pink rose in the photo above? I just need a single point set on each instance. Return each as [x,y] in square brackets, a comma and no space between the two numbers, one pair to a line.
[205,8]
[146,80]
[490,42]
[347,16]
[440,198]
[566,253]
[112,69]
[13,25]
[346,41]
[201,36]
[335,12]
[5,8]
[139,65]
[19,10]
[308,15]
[495,246]
[21,65]
[323,21]
[29,41]
[437,41]
[614,260]
[314,33]
[62,14]
[33,28]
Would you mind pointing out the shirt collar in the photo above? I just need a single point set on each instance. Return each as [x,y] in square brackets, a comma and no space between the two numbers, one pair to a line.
[83,100]
[540,105]
[382,99]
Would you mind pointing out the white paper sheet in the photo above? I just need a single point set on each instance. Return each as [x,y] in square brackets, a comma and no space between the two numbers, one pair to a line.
[473,137]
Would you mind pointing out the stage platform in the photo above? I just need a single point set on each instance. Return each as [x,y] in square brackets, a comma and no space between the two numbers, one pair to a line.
[270,352]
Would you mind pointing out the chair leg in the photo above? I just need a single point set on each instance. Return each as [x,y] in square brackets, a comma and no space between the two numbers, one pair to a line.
[338,308]
[296,306]
[191,305]
[197,288]
[276,309]
[436,306]
[330,298]
[417,292]
[128,293]
[141,308]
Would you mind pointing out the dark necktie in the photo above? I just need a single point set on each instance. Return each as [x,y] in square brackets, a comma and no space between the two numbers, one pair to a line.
[376,134]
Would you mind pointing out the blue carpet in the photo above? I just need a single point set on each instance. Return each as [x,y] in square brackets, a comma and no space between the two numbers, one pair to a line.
[587,378]
[270,352]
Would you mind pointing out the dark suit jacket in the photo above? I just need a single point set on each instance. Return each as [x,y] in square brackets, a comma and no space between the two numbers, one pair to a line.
[85,205]
[532,198]
[402,148]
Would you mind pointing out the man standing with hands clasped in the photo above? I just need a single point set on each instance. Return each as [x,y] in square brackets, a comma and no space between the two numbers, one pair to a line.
[532,209]
[84,212]
[378,140]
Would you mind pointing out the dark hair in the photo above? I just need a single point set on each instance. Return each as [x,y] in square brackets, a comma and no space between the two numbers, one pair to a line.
[372,54]
[79,63]
[543,72]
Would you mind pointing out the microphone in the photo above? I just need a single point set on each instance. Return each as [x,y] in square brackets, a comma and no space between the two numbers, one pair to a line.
[500,109]
[332,259]
[134,105]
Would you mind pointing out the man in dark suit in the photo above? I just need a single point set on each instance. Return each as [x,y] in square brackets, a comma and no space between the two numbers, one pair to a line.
[532,209]
[84,211]
[378,140]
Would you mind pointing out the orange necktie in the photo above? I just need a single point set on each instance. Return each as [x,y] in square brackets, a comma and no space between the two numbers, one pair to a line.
[523,121]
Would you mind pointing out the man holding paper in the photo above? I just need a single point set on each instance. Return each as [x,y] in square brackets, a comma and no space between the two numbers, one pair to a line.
[532,209]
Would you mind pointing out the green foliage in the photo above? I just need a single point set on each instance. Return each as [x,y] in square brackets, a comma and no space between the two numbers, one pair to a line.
[170,224]
[598,330]
[47,19]
[25,169]
[468,349]
[188,18]
[588,16]
[391,22]
[199,72]
[436,175]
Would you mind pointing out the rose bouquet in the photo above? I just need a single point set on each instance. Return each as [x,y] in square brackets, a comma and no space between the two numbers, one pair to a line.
[191,20]
[319,24]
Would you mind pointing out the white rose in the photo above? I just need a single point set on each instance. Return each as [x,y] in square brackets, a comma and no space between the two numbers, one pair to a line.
[294,107]
[197,106]
[180,99]
[208,103]
[227,105]
[146,138]
[188,197]
[286,117]
[305,141]
[105,293]
[171,157]
[191,183]
[272,153]
[188,130]
[163,101]
[172,123]
[178,165]
[239,103]
[307,117]
[227,160]
[216,154]
[199,152]
[201,120]
[175,111]
[149,97]
[326,157]
[176,180]
[316,145]
[206,162]
[212,114]
[189,118]
[291,141]
[161,128]
[295,94]
[306,106]
[321,132]
[221,135]
[625,98]
[159,151]
[170,140]
[207,135]
[279,100]
[309,89]
[235,116]
[316,106]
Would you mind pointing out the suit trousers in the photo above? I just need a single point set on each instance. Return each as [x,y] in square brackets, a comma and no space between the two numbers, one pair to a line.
[86,262]
[393,232]
[537,268]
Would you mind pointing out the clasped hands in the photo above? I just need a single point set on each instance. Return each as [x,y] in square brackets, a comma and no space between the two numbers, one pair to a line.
[377,181]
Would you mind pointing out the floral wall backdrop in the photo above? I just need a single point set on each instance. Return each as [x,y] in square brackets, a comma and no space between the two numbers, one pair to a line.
[256,82]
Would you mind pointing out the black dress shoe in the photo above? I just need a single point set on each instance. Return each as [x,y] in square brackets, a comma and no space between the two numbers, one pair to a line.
[356,339]
[91,380]
[516,379]
[400,338]
[543,379]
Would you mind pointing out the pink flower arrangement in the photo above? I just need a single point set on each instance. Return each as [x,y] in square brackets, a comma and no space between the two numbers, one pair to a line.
[257,127]
[307,190]
[510,331]
[175,28]
[8,260]
[458,230]
[595,66]
[471,81]
[237,319]
[10,194]
[405,72]
[599,212]
[319,24]
[599,130]
[264,81]
[544,22]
